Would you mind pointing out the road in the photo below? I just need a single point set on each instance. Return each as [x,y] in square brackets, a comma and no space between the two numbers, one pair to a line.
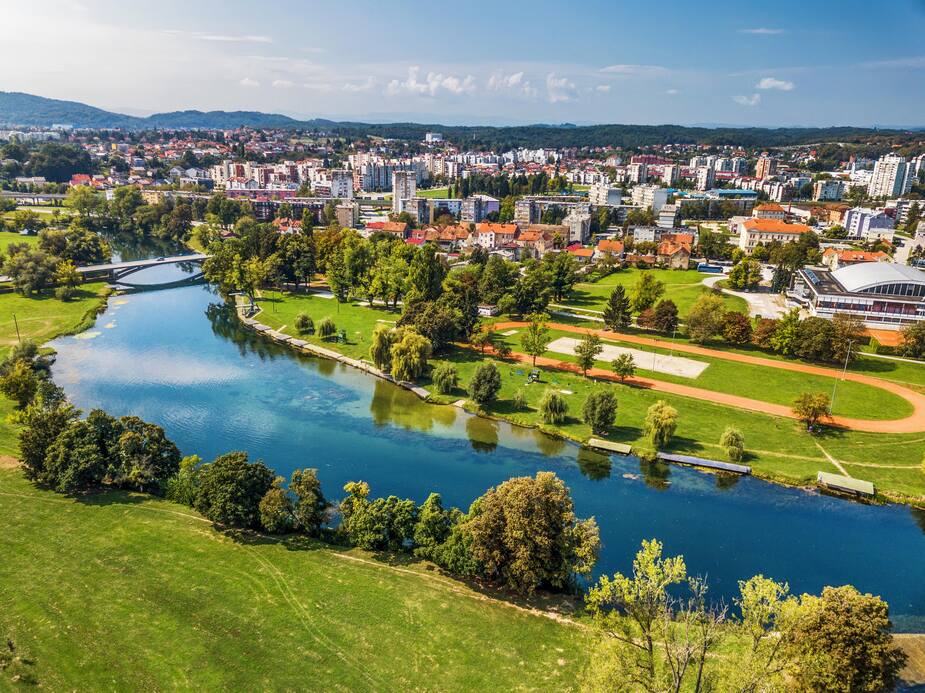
[761,303]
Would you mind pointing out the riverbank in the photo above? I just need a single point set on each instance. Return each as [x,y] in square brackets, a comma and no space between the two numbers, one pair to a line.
[778,449]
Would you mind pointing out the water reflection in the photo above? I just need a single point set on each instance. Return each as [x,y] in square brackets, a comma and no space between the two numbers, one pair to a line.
[593,464]
[395,405]
[655,474]
[483,434]
[727,481]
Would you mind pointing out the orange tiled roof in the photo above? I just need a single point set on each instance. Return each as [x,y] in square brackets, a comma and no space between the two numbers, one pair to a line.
[488,227]
[582,252]
[856,255]
[394,227]
[769,207]
[775,226]
[607,245]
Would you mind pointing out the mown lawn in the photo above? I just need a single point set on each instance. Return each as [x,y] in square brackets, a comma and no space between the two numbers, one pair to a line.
[120,591]
[773,385]
[433,192]
[682,287]
[778,448]
[40,319]
[7,238]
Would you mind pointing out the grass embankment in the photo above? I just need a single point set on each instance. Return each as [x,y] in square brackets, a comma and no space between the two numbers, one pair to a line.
[778,448]
[433,192]
[123,591]
[40,319]
[7,238]
[682,287]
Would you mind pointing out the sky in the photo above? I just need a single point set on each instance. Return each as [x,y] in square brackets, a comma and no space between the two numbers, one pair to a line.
[814,63]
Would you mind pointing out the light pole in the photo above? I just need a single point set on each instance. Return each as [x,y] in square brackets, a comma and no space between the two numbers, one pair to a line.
[843,373]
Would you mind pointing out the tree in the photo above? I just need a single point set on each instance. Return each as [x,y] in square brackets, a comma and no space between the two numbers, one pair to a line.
[67,278]
[848,337]
[587,351]
[737,328]
[182,486]
[445,378]
[276,509]
[764,331]
[624,366]
[409,355]
[785,333]
[231,488]
[562,272]
[433,527]
[705,319]
[912,340]
[84,200]
[646,292]
[553,407]
[426,273]
[745,276]
[536,338]
[485,385]
[525,535]
[496,277]
[665,316]
[480,338]
[142,456]
[661,422]
[380,349]
[42,422]
[811,408]
[814,339]
[29,269]
[326,328]
[763,607]
[600,410]
[618,311]
[842,641]
[733,442]
[19,382]
[304,323]
[310,509]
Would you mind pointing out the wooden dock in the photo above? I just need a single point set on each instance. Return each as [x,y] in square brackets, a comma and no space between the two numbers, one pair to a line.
[845,484]
[607,446]
[692,461]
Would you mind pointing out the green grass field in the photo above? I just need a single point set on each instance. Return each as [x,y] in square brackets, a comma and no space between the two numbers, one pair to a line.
[682,287]
[433,192]
[8,238]
[120,591]
[778,448]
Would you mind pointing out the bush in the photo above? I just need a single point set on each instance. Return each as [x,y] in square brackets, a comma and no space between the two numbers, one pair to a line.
[65,293]
[486,383]
[326,328]
[276,509]
[553,407]
[520,400]
[304,323]
[600,410]
[661,422]
[733,442]
[445,378]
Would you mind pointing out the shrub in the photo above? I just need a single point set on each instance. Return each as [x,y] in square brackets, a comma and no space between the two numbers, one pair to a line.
[304,323]
[624,366]
[276,509]
[65,293]
[733,442]
[326,328]
[486,383]
[661,422]
[600,410]
[520,400]
[409,355]
[553,407]
[446,378]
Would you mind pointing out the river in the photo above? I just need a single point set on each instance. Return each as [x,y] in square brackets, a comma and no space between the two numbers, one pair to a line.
[179,358]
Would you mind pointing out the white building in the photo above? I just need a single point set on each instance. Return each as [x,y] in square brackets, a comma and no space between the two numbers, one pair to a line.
[705,177]
[892,177]
[404,186]
[671,173]
[637,173]
[830,190]
[602,194]
[868,224]
[433,137]
[341,184]
[650,196]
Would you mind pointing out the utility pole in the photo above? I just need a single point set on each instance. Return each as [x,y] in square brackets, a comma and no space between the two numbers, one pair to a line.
[16,322]
[843,373]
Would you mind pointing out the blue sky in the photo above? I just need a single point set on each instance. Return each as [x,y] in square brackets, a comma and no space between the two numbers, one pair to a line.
[743,63]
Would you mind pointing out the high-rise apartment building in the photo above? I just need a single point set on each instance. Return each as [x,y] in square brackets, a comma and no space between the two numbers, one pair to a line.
[892,177]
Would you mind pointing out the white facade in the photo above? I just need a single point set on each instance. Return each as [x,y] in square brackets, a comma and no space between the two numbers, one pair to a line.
[650,196]
[868,224]
[830,190]
[601,194]
[892,177]
[404,186]
[637,173]
[341,184]
[705,177]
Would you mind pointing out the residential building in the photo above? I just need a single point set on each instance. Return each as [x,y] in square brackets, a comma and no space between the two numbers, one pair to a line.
[650,196]
[645,234]
[765,167]
[637,173]
[433,137]
[769,210]
[671,174]
[668,217]
[868,224]
[602,194]
[404,186]
[704,177]
[348,214]
[892,177]
[673,254]
[834,258]
[476,207]
[608,246]
[765,231]
[830,190]
[491,236]
[341,184]
[884,295]
[579,227]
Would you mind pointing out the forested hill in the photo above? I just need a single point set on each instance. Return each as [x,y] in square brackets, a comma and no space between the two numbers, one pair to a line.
[21,109]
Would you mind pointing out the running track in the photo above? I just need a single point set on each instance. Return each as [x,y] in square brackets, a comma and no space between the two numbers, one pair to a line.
[914,423]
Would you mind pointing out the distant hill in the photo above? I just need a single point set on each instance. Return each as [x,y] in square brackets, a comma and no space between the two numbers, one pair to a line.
[17,108]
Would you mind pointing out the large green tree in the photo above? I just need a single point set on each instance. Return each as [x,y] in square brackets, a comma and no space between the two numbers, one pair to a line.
[231,488]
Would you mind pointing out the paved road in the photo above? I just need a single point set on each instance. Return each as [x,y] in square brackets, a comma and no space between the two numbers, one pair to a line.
[914,423]
[763,303]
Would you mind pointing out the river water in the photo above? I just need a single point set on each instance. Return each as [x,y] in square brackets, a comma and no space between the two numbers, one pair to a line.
[179,358]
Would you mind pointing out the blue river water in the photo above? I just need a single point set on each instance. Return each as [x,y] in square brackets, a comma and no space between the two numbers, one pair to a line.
[179,358]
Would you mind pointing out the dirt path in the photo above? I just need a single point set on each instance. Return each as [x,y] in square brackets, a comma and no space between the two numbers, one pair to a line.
[914,423]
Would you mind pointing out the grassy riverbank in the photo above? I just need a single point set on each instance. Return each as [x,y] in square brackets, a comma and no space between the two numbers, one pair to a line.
[124,591]
[778,448]
[39,319]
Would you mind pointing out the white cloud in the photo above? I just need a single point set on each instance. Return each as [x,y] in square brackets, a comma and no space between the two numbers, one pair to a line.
[358,86]
[762,31]
[752,100]
[220,38]
[773,83]
[604,88]
[914,61]
[513,82]
[283,83]
[635,70]
[431,85]
[250,83]
[559,89]
[672,92]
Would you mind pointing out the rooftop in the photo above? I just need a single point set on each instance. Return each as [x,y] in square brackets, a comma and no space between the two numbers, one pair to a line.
[865,275]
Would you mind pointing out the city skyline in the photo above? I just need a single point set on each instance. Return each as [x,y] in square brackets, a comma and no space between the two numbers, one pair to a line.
[478,64]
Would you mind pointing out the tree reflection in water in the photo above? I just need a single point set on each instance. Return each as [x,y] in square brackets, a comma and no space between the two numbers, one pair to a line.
[593,464]
[655,474]
[395,405]
[483,434]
